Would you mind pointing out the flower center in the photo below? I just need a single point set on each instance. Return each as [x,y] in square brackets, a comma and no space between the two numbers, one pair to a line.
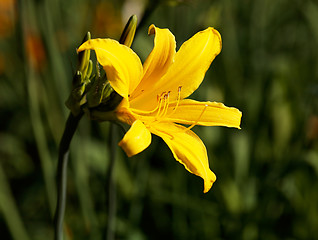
[166,107]
[163,105]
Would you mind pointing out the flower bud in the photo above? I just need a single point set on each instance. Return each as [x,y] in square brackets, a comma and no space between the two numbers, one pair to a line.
[80,80]
[84,57]
[101,94]
[128,34]
[95,92]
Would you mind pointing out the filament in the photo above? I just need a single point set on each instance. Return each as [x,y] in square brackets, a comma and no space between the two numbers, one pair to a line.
[195,123]
[178,100]
[162,108]
[166,104]
[161,99]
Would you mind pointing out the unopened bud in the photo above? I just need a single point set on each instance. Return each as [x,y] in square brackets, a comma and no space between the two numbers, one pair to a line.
[128,34]
[95,94]
[84,57]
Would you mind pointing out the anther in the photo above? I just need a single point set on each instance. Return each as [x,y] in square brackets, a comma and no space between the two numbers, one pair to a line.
[178,100]
[166,105]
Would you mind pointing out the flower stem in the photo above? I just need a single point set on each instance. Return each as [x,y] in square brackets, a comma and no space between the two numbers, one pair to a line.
[70,128]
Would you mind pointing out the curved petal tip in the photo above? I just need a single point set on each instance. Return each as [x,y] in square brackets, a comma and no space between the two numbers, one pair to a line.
[137,139]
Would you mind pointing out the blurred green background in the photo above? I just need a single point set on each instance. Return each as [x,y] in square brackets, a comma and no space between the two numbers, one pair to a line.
[267,172]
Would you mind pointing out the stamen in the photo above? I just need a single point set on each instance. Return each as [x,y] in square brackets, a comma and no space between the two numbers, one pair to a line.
[162,108]
[147,112]
[159,106]
[166,105]
[178,100]
[195,123]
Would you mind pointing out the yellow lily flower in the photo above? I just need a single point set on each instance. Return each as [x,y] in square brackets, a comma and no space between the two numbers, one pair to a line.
[154,95]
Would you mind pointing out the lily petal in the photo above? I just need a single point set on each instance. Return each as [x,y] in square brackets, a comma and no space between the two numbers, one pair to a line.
[121,64]
[189,112]
[158,61]
[192,61]
[188,70]
[137,139]
[188,149]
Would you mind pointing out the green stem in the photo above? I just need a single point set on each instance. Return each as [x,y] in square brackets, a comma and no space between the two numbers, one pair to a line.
[70,127]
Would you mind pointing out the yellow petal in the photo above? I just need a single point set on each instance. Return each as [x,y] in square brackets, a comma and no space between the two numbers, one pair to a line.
[188,70]
[158,61]
[188,149]
[121,64]
[203,113]
[137,139]
[192,61]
